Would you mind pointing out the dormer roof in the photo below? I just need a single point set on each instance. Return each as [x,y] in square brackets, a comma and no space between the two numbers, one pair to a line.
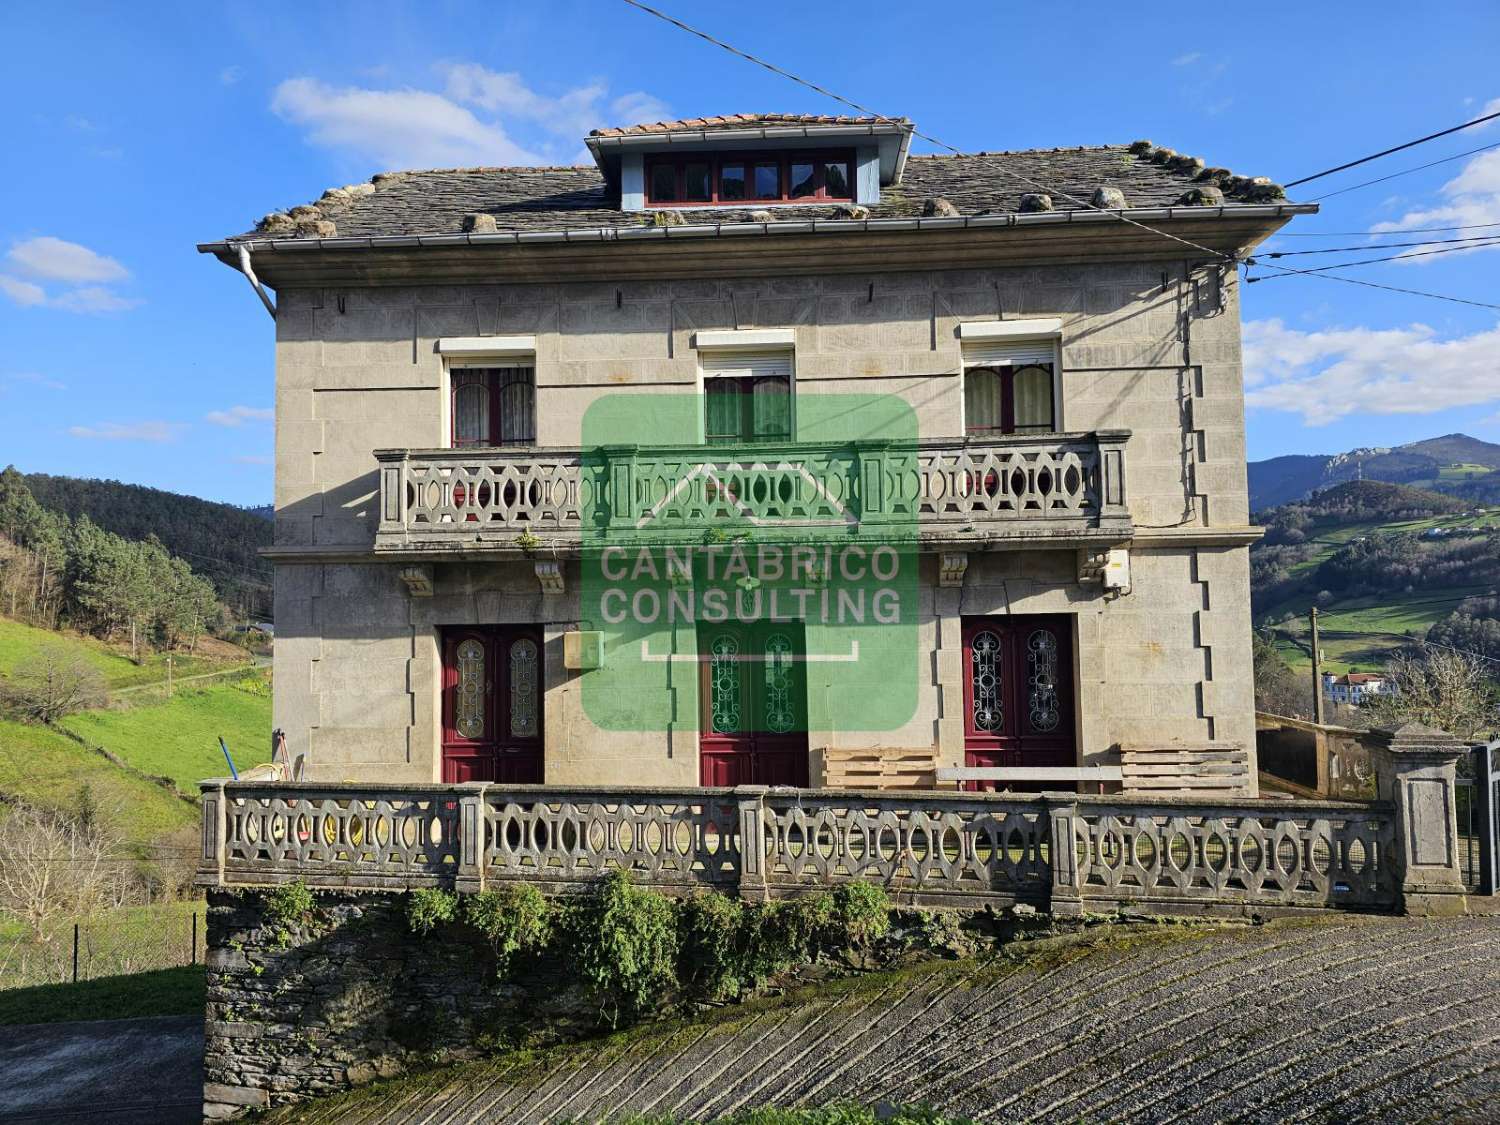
[890,135]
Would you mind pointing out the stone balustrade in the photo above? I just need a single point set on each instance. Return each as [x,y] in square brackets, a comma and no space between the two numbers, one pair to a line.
[1059,851]
[1013,486]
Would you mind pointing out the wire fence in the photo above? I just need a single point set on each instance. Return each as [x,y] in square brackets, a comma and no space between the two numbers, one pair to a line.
[115,943]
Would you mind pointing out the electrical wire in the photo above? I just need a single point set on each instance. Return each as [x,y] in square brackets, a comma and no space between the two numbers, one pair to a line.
[1380,233]
[774,69]
[1387,151]
[1481,238]
[1216,254]
[1368,285]
[1405,172]
[1395,257]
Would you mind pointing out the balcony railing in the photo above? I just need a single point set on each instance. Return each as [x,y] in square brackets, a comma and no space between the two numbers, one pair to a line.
[1007,486]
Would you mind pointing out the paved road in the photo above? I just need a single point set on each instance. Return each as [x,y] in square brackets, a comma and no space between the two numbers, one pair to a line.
[119,1072]
[1356,1019]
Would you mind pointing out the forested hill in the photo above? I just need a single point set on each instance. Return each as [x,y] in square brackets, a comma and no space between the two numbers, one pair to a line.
[1454,463]
[219,541]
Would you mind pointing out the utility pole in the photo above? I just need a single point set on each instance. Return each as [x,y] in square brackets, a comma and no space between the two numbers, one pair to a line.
[169,674]
[1317,666]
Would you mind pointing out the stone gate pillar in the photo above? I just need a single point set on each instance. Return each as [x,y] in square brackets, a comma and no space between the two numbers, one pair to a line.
[1415,770]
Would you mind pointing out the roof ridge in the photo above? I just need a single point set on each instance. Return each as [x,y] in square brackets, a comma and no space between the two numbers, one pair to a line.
[741,120]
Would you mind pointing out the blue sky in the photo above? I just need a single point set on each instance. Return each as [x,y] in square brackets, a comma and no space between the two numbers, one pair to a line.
[124,353]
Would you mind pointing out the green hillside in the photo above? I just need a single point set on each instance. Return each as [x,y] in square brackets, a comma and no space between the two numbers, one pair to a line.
[47,768]
[1384,563]
[20,642]
[179,737]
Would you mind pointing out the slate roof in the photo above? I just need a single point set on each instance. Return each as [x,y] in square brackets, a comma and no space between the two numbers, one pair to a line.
[743,121]
[578,198]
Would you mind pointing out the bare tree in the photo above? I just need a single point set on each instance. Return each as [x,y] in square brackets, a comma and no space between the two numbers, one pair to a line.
[1439,688]
[53,865]
[54,683]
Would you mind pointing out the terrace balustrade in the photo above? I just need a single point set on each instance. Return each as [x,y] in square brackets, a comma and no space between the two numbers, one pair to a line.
[1007,487]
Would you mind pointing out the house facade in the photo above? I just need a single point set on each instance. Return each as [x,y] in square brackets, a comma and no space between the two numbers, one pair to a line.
[1353,688]
[532,423]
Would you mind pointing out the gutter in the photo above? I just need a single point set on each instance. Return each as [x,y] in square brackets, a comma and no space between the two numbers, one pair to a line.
[740,230]
[248,270]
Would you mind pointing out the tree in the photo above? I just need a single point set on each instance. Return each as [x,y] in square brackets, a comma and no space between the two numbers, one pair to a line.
[53,864]
[1451,691]
[1278,689]
[53,684]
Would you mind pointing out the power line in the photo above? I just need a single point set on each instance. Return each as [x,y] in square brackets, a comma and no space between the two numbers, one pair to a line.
[1380,233]
[774,69]
[1482,238]
[1367,285]
[1218,254]
[1385,152]
[1406,172]
[1395,257]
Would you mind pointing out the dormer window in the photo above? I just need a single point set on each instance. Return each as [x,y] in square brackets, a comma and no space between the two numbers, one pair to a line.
[732,179]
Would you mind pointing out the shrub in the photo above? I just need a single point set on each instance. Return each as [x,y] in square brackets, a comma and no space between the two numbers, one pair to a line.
[861,915]
[623,941]
[784,933]
[52,684]
[516,919]
[714,933]
[289,907]
[429,907]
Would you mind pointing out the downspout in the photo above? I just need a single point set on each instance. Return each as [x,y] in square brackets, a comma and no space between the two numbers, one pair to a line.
[249,271]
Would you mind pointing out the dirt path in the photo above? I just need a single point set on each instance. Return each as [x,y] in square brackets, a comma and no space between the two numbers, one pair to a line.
[1379,1019]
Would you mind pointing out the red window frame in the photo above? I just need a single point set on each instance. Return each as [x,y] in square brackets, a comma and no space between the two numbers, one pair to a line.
[1006,374]
[490,377]
[783,162]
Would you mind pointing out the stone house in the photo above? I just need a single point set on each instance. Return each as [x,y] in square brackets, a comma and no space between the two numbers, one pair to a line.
[488,379]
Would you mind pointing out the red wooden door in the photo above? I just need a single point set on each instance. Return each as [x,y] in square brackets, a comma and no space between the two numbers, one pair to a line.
[492,704]
[753,688]
[1018,694]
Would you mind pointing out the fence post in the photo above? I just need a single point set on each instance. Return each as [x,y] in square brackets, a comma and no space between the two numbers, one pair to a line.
[752,803]
[193,956]
[469,878]
[1415,770]
[1067,879]
[1486,783]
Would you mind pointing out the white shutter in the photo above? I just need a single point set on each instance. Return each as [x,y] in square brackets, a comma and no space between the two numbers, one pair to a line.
[1008,353]
[759,362]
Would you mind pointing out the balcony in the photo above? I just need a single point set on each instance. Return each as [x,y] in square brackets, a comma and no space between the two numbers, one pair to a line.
[1052,488]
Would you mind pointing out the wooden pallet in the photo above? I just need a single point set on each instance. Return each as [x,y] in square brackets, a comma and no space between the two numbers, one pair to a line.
[880,768]
[1209,770]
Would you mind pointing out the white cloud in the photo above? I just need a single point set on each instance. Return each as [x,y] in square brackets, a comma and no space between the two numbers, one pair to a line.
[238,415]
[153,431]
[94,299]
[56,259]
[474,121]
[396,128]
[1470,198]
[35,378]
[231,74]
[1328,375]
[22,292]
[1188,59]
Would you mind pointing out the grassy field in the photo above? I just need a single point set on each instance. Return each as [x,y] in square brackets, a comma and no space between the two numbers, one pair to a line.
[47,768]
[178,737]
[164,992]
[20,643]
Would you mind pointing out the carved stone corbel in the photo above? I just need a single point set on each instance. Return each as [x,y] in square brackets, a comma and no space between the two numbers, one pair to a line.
[550,575]
[951,567]
[418,579]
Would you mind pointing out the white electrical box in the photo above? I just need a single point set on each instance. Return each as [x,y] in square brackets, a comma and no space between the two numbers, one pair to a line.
[583,650]
[1117,571]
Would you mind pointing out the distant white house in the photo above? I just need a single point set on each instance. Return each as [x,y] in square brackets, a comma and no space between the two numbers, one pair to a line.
[1355,687]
